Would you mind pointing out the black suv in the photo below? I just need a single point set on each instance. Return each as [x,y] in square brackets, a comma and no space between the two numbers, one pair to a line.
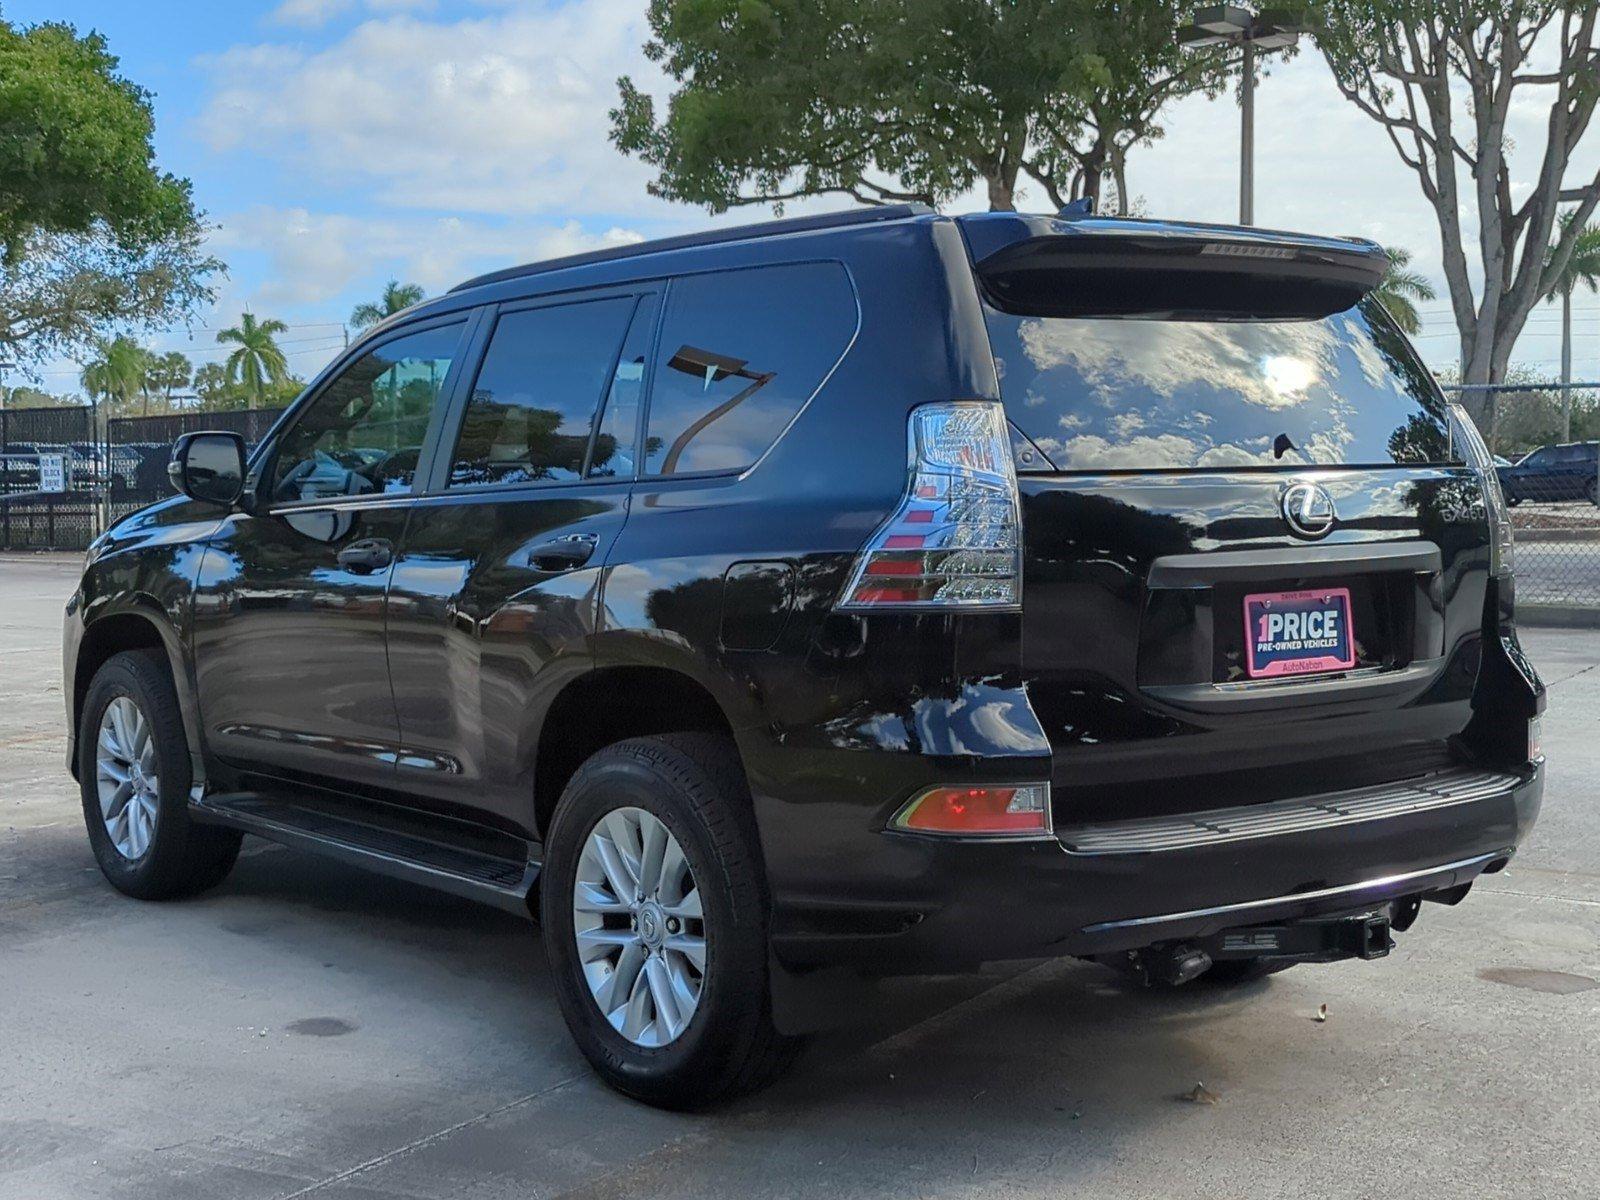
[778,608]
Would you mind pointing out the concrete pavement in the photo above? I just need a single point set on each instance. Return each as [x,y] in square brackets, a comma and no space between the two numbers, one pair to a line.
[305,1031]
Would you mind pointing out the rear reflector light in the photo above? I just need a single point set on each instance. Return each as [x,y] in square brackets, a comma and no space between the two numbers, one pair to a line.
[979,811]
[953,542]
[1535,740]
[1465,437]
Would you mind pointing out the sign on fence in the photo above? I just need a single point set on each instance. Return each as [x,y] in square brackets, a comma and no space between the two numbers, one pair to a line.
[52,473]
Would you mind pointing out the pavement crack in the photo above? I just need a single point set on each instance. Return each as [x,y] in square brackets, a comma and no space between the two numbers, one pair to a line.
[429,1139]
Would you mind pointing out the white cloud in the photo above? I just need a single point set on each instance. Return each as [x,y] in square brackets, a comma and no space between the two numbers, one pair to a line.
[315,257]
[312,14]
[505,114]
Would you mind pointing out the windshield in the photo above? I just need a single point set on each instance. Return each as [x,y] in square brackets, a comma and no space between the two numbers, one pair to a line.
[1099,393]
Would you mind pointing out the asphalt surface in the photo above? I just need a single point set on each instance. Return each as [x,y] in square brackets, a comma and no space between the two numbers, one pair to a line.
[304,1031]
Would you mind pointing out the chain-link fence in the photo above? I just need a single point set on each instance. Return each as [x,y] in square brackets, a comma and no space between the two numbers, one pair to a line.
[52,467]
[1546,443]
[139,448]
[64,476]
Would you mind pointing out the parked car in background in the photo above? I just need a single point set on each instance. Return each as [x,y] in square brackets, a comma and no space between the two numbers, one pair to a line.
[773,609]
[1568,471]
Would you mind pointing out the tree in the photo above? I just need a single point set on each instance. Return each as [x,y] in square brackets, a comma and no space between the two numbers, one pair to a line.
[890,100]
[217,393]
[117,374]
[396,296]
[1583,267]
[258,361]
[1442,81]
[1401,288]
[169,373]
[93,238]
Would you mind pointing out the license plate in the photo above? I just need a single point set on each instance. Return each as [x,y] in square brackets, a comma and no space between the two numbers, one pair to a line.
[1298,633]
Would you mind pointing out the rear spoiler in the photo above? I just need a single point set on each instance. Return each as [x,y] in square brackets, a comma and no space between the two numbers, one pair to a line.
[1052,266]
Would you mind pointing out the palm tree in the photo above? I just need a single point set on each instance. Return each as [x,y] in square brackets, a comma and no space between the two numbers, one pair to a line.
[169,372]
[258,361]
[118,374]
[1400,288]
[396,296]
[1583,267]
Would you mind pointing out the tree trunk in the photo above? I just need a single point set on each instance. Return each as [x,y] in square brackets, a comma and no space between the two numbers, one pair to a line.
[1566,365]
[1002,193]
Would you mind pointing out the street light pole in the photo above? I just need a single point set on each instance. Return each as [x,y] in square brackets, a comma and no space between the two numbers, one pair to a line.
[1233,25]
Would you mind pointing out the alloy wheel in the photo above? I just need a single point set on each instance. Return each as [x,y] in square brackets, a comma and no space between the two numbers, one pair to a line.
[639,927]
[126,779]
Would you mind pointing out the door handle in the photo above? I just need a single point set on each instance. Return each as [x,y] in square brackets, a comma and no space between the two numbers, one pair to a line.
[563,553]
[366,556]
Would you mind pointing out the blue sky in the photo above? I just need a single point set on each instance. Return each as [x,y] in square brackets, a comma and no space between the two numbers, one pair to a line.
[335,144]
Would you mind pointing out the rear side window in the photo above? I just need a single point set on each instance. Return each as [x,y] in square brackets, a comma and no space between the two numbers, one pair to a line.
[1133,393]
[533,405]
[740,353]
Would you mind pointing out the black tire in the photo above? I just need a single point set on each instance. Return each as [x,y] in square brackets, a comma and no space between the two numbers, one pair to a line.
[182,857]
[1591,492]
[1233,971]
[695,785]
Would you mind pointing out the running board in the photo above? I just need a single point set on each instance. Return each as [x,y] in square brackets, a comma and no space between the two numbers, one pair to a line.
[503,882]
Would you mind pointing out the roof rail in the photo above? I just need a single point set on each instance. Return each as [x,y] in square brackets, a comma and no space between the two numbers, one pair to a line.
[709,237]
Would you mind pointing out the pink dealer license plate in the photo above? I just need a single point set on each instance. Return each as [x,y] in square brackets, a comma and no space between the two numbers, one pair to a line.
[1298,633]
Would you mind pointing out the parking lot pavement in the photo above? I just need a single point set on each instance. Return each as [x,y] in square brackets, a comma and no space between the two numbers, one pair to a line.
[303,1031]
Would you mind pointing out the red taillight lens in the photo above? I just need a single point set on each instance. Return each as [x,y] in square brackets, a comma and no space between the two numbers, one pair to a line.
[979,811]
[953,541]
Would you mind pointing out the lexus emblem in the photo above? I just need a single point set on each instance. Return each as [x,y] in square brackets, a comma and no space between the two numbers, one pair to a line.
[1308,509]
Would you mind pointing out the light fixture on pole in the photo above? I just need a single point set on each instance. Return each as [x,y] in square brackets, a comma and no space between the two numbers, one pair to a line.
[1253,33]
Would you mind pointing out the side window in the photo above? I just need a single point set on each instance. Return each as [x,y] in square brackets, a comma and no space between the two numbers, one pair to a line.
[364,432]
[740,353]
[615,444]
[533,404]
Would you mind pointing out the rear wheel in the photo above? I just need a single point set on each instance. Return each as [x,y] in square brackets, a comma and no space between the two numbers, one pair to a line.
[133,771]
[1591,491]
[655,922]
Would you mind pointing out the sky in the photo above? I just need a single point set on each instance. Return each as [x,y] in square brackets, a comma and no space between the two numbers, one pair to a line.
[336,144]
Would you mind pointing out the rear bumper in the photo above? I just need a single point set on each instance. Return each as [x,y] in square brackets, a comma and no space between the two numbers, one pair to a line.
[933,905]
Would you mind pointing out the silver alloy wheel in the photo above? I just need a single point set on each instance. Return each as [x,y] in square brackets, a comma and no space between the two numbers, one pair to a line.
[125,777]
[639,927]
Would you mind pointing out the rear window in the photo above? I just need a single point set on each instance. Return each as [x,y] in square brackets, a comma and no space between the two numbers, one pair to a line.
[1132,393]
[740,353]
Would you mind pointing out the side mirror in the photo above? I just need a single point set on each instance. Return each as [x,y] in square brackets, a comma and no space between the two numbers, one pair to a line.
[208,467]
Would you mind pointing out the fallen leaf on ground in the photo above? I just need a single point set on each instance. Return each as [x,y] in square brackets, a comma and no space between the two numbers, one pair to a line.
[1322,1013]
[1199,1094]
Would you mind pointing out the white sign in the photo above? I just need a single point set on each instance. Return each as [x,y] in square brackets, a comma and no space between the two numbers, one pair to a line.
[52,472]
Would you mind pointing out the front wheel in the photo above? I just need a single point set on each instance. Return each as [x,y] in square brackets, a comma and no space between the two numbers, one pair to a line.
[654,910]
[133,770]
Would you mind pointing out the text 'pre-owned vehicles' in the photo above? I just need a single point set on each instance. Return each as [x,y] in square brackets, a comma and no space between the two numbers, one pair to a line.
[774,609]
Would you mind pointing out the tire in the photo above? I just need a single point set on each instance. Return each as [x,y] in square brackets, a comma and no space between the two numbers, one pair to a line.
[166,855]
[694,786]
[1591,492]
[1234,971]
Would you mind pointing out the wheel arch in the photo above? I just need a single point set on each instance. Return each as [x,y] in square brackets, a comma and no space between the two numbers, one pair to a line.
[609,703]
[139,624]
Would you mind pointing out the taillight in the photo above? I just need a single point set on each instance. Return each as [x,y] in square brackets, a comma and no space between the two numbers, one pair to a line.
[954,541]
[1502,545]
[979,811]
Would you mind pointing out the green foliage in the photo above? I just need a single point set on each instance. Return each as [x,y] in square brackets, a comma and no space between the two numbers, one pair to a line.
[1582,266]
[94,239]
[170,372]
[396,296]
[75,144]
[258,362]
[118,375]
[887,100]
[217,393]
[1401,288]
[32,397]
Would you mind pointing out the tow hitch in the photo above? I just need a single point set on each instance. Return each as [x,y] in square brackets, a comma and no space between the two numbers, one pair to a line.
[1367,934]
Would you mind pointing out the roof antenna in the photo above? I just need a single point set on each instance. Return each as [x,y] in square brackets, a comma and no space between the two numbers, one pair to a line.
[1083,206]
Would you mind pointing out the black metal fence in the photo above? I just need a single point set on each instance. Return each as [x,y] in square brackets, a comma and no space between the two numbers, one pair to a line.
[1546,443]
[64,476]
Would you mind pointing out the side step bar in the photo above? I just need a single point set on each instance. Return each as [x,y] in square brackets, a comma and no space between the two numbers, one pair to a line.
[503,882]
[1461,785]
